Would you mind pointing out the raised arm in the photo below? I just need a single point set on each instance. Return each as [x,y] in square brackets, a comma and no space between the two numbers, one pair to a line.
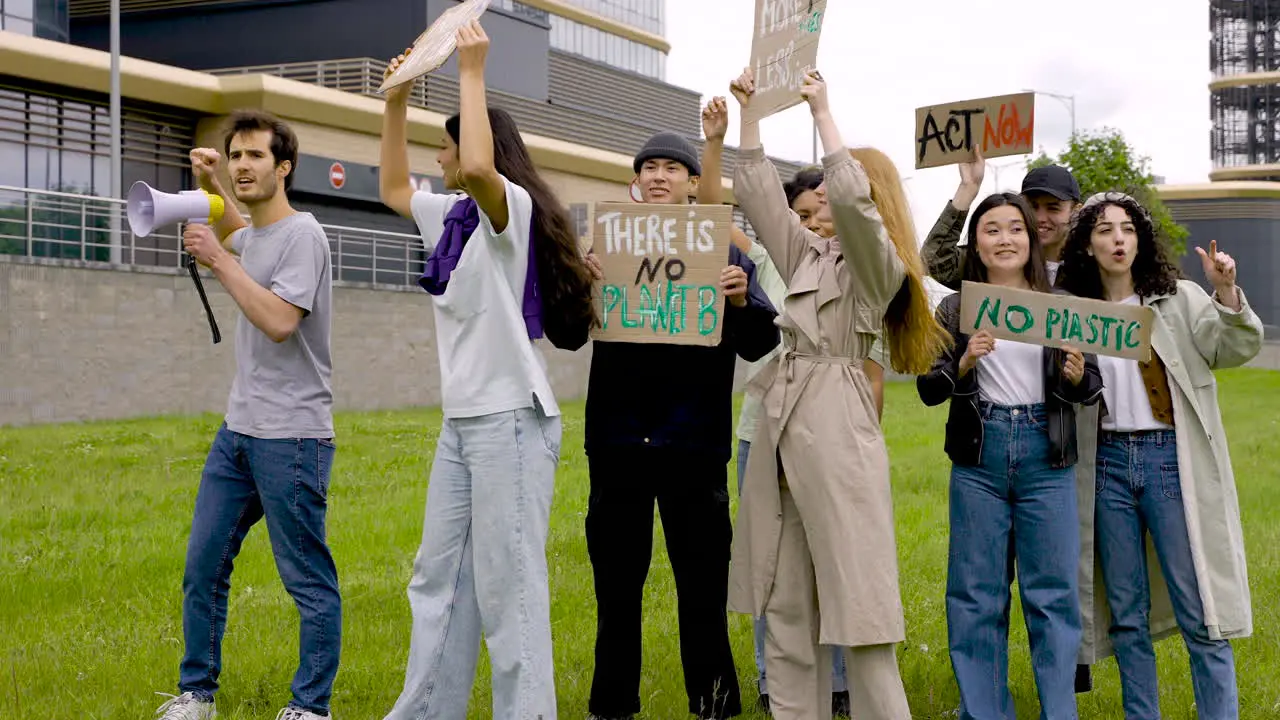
[715,123]
[206,164]
[394,188]
[869,252]
[942,254]
[475,141]
[759,192]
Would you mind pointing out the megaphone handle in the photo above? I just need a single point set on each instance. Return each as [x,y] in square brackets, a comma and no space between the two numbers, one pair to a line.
[204,299]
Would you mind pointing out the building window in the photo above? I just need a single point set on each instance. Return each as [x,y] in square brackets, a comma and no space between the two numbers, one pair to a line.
[646,15]
[579,214]
[613,50]
[60,144]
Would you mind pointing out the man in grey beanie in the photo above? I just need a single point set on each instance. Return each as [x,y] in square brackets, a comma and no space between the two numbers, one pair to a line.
[668,444]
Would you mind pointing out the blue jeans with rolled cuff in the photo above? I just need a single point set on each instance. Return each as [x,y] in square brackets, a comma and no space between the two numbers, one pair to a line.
[1013,511]
[1139,491]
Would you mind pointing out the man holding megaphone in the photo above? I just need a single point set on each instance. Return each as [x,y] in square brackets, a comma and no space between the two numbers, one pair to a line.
[272,456]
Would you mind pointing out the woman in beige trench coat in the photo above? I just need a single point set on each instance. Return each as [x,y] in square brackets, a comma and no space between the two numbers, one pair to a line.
[1167,549]
[814,549]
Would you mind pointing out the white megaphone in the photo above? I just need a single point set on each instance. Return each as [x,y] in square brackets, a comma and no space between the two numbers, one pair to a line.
[148,208]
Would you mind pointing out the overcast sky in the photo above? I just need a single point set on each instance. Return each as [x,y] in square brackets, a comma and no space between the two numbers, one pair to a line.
[1141,66]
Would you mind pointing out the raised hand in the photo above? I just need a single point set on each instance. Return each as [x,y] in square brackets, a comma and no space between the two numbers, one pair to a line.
[399,93]
[744,86]
[205,163]
[715,119]
[973,171]
[1219,268]
[814,92]
[473,44]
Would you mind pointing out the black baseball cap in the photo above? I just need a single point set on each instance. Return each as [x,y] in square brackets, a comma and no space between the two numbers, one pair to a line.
[1053,180]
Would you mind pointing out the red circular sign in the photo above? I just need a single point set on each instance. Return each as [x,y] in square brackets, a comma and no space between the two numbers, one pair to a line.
[337,175]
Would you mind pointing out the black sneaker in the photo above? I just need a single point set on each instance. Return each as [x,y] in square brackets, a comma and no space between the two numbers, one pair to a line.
[840,704]
[762,702]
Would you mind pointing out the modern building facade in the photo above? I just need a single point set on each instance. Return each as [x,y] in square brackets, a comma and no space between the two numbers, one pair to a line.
[572,74]
[1240,206]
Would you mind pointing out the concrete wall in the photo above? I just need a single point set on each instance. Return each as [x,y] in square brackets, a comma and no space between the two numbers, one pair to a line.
[86,342]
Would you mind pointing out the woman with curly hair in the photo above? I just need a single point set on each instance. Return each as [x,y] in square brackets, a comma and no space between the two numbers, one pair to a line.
[1162,464]
[814,548]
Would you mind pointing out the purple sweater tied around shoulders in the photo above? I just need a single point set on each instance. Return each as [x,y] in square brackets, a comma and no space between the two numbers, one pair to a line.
[459,224]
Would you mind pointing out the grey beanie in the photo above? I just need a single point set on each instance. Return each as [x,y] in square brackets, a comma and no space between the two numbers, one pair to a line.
[669,146]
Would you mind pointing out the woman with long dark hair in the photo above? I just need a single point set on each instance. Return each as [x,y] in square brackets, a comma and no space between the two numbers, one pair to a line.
[1011,438]
[504,269]
[1163,468]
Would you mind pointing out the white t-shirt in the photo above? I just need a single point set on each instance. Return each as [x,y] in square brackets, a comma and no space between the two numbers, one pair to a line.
[1124,392]
[488,364]
[1012,374]
[1052,268]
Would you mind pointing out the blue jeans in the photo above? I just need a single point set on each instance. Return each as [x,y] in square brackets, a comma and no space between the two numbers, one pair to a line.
[1139,491]
[482,570]
[839,679]
[1013,509]
[244,479]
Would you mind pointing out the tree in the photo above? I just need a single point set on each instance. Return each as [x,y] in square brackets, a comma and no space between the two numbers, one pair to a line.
[1102,160]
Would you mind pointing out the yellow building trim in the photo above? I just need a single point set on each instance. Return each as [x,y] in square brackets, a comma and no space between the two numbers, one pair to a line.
[1245,80]
[66,65]
[1220,191]
[600,22]
[1244,172]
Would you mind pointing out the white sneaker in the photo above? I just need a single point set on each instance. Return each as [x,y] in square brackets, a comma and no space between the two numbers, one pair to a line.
[295,713]
[186,707]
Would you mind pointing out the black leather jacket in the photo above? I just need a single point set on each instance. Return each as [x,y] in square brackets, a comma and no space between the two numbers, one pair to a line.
[964,423]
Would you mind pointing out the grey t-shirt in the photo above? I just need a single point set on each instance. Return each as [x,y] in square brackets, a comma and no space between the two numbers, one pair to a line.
[281,390]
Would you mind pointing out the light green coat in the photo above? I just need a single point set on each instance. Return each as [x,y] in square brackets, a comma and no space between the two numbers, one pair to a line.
[1194,335]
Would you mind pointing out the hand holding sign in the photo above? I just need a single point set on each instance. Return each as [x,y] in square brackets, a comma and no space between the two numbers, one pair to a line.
[744,87]
[981,344]
[397,93]
[1073,366]
[814,91]
[433,47]
[473,44]
[733,281]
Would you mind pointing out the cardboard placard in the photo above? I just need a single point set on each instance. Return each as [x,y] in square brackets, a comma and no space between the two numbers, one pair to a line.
[662,267]
[1091,326]
[1001,125]
[434,46]
[783,46]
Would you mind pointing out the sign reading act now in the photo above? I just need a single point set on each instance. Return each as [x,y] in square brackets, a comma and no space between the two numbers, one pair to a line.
[1091,326]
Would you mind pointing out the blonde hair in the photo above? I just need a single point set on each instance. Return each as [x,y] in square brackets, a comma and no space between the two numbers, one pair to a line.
[914,336]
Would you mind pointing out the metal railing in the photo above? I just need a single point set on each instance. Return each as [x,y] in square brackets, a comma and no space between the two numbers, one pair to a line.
[360,76]
[68,226]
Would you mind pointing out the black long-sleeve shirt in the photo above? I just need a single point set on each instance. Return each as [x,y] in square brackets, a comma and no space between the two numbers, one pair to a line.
[678,397]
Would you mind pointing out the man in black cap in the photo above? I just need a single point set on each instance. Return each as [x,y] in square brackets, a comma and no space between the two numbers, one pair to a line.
[1052,192]
[658,429]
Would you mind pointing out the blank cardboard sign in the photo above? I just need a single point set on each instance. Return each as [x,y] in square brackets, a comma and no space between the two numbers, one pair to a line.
[662,267]
[1001,125]
[783,46]
[1091,326]
[434,46]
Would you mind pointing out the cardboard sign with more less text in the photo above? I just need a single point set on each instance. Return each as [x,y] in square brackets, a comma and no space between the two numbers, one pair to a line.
[1091,326]
[434,46]
[662,266]
[947,134]
[783,46]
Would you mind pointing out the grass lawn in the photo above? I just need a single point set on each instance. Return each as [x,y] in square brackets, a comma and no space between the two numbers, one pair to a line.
[94,520]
